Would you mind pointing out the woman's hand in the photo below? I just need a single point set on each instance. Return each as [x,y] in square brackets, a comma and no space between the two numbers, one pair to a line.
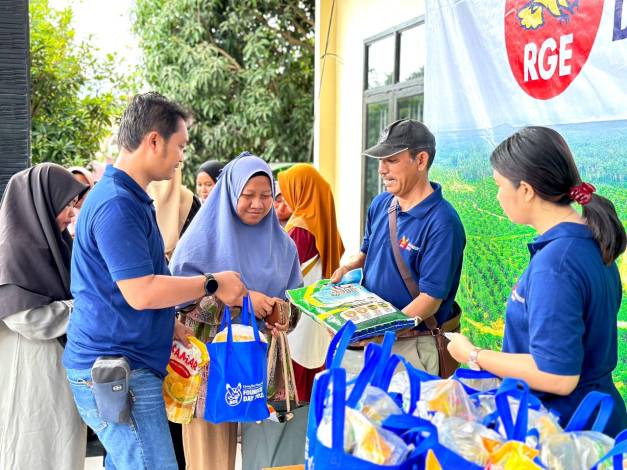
[459,347]
[181,332]
[278,327]
[262,304]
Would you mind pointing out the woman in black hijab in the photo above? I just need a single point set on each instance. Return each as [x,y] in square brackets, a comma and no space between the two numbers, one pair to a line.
[41,426]
[207,177]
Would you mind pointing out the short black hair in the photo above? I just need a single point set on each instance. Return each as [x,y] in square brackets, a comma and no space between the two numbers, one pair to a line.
[149,112]
[413,153]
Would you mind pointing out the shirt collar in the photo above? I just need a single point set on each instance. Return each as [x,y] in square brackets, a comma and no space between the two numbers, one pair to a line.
[562,230]
[128,182]
[421,209]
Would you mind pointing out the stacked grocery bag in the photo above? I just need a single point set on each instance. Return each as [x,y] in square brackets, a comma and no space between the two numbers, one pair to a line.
[388,419]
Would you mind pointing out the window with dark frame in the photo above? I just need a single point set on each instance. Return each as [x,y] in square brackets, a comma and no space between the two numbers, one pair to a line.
[394,62]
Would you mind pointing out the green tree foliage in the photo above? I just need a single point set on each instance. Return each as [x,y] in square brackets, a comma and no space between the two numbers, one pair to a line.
[243,68]
[75,97]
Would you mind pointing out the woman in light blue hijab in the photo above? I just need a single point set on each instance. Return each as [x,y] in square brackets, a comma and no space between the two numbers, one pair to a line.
[236,230]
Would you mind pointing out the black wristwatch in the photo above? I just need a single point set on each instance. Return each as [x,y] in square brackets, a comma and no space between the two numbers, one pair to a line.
[211,284]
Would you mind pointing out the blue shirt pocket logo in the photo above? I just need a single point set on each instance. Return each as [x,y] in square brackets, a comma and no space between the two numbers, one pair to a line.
[405,244]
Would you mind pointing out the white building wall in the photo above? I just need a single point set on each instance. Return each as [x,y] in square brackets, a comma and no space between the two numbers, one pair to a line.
[355,21]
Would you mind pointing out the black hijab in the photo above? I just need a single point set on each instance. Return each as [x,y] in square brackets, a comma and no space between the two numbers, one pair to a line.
[213,168]
[34,253]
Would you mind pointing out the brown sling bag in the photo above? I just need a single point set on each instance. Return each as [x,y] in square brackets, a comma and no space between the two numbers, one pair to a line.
[448,365]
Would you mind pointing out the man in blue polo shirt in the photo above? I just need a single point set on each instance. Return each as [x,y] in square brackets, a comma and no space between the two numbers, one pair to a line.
[123,292]
[430,238]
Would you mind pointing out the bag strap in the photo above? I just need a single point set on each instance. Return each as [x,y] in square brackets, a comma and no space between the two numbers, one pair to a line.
[288,371]
[386,348]
[414,380]
[418,431]
[316,406]
[409,281]
[372,357]
[339,344]
[424,435]
[616,454]
[515,430]
[279,356]
[338,409]
[593,401]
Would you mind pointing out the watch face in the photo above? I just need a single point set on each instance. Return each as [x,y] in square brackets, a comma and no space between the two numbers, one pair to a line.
[211,285]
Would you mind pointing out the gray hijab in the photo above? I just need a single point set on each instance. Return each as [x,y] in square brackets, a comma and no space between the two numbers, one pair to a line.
[34,253]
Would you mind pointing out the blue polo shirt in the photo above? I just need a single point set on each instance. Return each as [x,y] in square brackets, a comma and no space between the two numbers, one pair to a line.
[431,239]
[117,238]
[563,312]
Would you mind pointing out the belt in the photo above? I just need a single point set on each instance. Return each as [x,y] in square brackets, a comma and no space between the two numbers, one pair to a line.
[449,326]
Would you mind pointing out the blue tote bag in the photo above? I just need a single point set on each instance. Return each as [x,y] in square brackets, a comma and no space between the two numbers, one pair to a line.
[237,382]
[335,458]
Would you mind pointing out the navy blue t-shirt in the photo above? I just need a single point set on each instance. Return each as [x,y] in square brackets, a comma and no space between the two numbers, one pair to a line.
[563,311]
[117,238]
[431,239]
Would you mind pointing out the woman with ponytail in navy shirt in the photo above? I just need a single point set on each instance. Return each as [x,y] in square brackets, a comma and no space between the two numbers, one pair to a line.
[560,328]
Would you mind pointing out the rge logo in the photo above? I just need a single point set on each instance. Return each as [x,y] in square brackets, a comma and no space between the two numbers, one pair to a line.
[549,41]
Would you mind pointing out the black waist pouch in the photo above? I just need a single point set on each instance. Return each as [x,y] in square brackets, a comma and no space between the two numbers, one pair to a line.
[110,376]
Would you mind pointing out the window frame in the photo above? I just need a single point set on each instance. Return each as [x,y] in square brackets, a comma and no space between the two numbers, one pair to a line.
[390,93]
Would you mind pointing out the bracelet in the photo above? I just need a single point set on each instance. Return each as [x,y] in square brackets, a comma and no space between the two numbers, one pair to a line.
[473,359]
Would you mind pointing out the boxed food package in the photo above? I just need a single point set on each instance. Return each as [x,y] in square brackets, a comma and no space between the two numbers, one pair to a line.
[332,305]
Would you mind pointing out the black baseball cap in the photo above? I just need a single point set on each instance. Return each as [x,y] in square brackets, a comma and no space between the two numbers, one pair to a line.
[402,135]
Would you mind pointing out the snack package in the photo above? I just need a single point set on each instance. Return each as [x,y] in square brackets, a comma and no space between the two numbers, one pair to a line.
[431,462]
[241,334]
[470,439]
[182,384]
[447,397]
[377,405]
[513,455]
[576,450]
[365,440]
[546,423]
[332,305]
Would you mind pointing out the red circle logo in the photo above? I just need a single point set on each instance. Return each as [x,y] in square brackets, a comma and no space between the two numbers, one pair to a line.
[549,41]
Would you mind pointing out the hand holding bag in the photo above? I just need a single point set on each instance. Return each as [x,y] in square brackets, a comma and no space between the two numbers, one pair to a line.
[237,382]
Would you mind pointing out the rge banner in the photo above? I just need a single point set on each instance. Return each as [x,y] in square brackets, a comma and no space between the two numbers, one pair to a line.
[520,62]
[494,66]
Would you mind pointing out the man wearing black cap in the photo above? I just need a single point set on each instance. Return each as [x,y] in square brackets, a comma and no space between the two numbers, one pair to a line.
[420,275]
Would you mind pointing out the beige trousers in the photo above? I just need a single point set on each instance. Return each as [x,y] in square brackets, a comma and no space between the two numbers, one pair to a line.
[421,353]
[209,446]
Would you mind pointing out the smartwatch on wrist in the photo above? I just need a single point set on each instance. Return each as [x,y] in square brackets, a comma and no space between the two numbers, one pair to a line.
[211,284]
[472,360]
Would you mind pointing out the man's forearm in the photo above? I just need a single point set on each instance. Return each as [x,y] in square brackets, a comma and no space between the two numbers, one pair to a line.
[423,306]
[168,291]
[357,261]
[152,292]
